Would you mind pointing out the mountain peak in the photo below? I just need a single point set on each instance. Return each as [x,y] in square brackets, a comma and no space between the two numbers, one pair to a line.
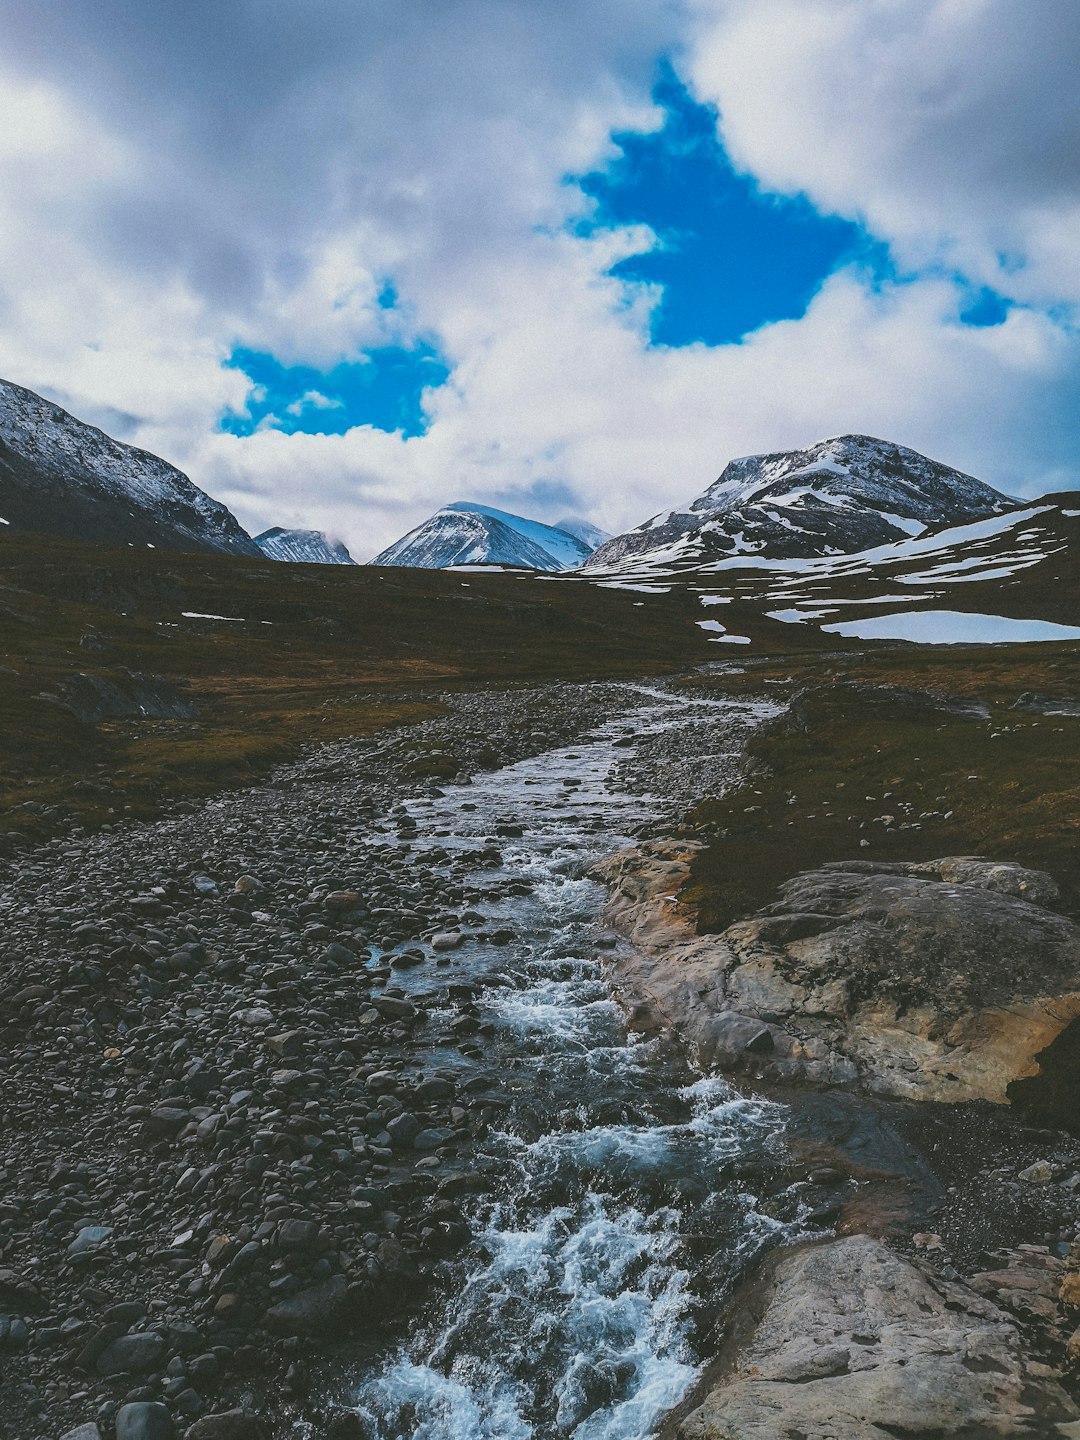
[837,496]
[467,532]
[305,547]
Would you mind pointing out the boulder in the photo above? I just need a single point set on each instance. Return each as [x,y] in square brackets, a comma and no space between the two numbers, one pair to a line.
[849,1340]
[943,980]
[314,1311]
[144,1420]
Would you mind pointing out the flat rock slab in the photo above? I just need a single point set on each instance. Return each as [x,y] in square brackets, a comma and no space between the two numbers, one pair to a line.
[855,1342]
[942,980]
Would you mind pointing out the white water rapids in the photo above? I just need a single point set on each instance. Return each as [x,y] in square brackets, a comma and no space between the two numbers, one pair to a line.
[625,1201]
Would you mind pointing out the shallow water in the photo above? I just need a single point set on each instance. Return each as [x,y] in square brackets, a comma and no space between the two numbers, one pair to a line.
[625,1199]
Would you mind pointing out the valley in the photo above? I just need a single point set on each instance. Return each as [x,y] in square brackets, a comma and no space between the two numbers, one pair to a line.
[503,1003]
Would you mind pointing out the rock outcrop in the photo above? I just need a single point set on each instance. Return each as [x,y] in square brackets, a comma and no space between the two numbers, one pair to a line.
[851,1341]
[942,980]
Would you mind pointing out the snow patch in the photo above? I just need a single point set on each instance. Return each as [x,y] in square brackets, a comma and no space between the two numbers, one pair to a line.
[953,627]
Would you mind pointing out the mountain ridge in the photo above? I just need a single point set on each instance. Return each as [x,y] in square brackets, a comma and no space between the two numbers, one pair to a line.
[838,496]
[61,476]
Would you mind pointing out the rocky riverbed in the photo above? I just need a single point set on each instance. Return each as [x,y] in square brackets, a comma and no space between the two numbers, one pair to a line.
[318,1112]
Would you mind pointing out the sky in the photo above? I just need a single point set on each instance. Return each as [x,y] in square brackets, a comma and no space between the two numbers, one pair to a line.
[346,261]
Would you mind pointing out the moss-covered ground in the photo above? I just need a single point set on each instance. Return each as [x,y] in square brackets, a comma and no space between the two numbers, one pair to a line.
[309,653]
[858,772]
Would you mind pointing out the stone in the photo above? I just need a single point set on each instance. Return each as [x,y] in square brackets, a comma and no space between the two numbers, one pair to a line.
[226,1425]
[144,1420]
[447,940]
[297,1234]
[403,1129]
[87,1431]
[731,1037]
[431,1139]
[1041,1173]
[89,1238]
[391,1008]
[14,1332]
[851,1337]
[132,1355]
[310,1312]
[942,980]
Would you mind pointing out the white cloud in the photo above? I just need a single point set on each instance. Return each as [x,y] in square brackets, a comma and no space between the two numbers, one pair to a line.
[200,178]
[950,125]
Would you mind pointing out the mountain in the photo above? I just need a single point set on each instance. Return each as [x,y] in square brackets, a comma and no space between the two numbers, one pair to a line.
[839,496]
[305,547]
[62,477]
[469,534]
[583,530]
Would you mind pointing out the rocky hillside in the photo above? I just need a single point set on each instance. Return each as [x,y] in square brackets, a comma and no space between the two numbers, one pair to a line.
[837,497]
[305,547]
[466,533]
[59,476]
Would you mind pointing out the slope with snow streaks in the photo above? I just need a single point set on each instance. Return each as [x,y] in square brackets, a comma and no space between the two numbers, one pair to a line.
[62,477]
[471,534]
[839,496]
[303,547]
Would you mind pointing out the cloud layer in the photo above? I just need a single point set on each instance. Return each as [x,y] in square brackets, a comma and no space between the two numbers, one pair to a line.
[181,181]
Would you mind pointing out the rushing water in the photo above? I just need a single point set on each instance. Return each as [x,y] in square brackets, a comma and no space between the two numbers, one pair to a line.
[625,1198]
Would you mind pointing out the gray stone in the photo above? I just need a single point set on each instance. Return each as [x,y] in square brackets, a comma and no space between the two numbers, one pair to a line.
[856,1342]
[144,1420]
[431,1139]
[310,1312]
[89,1238]
[132,1355]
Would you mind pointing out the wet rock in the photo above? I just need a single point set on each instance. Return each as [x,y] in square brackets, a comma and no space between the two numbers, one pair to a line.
[447,940]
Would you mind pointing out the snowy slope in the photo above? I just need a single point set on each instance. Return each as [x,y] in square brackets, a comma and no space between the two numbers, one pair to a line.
[465,533]
[62,477]
[839,496]
[304,547]
[588,533]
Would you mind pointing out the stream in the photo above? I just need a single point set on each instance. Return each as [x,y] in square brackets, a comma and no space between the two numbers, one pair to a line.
[626,1192]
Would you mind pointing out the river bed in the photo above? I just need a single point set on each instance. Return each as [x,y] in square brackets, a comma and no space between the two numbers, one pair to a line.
[626,1193]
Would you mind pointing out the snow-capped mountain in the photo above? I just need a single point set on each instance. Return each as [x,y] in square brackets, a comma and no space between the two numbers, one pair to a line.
[470,534]
[584,530]
[304,547]
[837,497]
[62,477]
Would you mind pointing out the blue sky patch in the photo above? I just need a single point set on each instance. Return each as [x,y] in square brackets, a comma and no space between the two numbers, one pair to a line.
[384,389]
[986,307]
[731,257]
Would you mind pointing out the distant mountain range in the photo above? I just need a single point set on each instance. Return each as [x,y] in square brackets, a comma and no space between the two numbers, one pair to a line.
[837,497]
[304,547]
[466,533]
[847,534]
